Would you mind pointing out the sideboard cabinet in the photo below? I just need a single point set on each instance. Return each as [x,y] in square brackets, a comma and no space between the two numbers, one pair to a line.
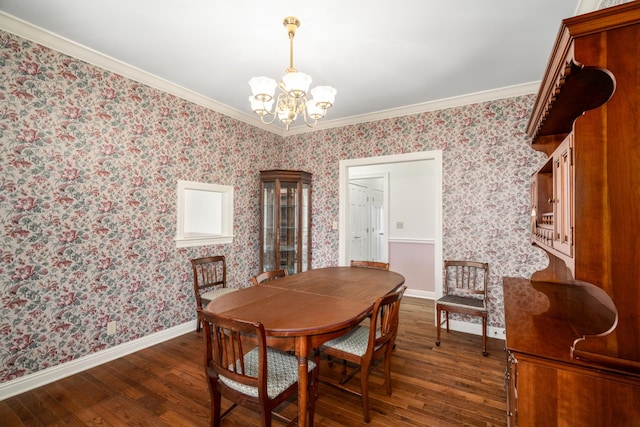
[573,350]
[285,220]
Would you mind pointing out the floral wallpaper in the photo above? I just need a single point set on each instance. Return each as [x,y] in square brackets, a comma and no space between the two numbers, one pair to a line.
[89,163]
[487,165]
[609,3]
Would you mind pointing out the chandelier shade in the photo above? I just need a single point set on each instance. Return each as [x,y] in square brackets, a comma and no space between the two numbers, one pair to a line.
[324,96]
[292,100]
[296,84]
[263,88]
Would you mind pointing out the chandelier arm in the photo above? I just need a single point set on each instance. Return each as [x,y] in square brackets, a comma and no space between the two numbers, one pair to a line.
[282,88]
[268,122]
[306,121]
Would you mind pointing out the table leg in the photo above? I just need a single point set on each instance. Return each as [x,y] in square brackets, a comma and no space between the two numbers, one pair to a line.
[302,351]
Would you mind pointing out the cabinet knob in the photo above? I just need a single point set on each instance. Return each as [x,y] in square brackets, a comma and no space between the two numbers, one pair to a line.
[551,201]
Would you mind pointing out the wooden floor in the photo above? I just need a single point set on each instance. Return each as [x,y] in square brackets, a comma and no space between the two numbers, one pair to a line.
[450,385]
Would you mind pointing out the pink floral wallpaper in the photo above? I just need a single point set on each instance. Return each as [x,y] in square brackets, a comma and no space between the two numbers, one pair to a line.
[89,162]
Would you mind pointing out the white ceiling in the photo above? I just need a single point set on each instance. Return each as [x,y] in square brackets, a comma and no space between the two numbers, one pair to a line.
[380,55]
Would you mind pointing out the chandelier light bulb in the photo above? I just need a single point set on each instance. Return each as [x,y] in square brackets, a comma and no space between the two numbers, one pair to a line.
[313,110]
[287,117]
[261,108]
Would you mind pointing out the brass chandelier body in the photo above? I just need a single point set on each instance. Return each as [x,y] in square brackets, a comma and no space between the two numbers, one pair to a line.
[292,100]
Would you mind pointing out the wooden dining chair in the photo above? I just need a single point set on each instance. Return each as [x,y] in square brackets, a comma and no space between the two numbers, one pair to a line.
[241,368]
[370,264]
[267,276]
[209,279]
[365,345]
[465,292]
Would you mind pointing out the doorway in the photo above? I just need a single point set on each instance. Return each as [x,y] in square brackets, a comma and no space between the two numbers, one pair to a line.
[410,216]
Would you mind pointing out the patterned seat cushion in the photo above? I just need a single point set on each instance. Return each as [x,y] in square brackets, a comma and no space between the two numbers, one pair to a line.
[283,372]
[214,293]
[355,342]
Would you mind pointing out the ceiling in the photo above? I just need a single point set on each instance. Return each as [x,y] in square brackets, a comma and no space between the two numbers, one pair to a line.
[380,55]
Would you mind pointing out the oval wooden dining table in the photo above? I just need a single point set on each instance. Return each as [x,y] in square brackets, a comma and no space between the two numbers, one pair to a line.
[309,309]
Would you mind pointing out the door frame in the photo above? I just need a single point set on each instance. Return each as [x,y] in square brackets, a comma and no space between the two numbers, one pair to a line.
[435,155]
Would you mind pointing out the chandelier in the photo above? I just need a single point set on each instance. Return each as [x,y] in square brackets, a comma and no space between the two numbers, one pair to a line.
[292,100]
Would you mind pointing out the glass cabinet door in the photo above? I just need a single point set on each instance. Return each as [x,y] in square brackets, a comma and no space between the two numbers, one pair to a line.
[268,229]
[306,227]
[285,220]
[288,226]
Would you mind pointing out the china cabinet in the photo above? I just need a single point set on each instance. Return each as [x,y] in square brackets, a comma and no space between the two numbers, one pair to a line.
[573,351]
[285,220]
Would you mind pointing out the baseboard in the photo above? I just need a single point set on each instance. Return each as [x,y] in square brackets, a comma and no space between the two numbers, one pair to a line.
[55,373]
[457,325]
[475,329]
[419,294]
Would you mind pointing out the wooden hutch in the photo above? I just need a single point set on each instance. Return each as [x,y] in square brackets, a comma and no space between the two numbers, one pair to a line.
[573,329]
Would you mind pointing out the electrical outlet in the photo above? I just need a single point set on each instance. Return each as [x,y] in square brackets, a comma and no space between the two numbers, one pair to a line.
[399,225]
[111,328]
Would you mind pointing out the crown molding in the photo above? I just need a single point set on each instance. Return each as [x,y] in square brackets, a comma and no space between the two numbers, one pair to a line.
[54,41]
[440,104]
[41,36]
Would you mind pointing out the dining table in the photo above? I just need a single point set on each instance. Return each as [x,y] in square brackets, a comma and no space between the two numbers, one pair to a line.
[309,308]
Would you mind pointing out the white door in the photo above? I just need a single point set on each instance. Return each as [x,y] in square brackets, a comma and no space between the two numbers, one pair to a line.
[358,222]
[378,232]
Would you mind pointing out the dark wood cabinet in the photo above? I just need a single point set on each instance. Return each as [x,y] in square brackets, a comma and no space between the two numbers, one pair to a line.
[285,220]
[573,350]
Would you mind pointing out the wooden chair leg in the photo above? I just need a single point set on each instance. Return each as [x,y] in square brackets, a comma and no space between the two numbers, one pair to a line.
[364,384]
[215,409]
[446,314]
[316,376]
[484,337]
[313,396]
[387,368]
[265,414]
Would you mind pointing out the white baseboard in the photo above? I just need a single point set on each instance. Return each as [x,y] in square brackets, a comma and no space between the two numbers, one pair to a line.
[55,373]
[457,325]
[420,294]
[476,329]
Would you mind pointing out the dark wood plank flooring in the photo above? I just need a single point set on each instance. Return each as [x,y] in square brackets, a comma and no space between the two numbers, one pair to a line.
[450,385]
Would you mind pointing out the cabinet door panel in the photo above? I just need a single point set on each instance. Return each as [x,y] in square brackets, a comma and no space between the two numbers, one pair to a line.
[288,227]
[563,197]
[268,229]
